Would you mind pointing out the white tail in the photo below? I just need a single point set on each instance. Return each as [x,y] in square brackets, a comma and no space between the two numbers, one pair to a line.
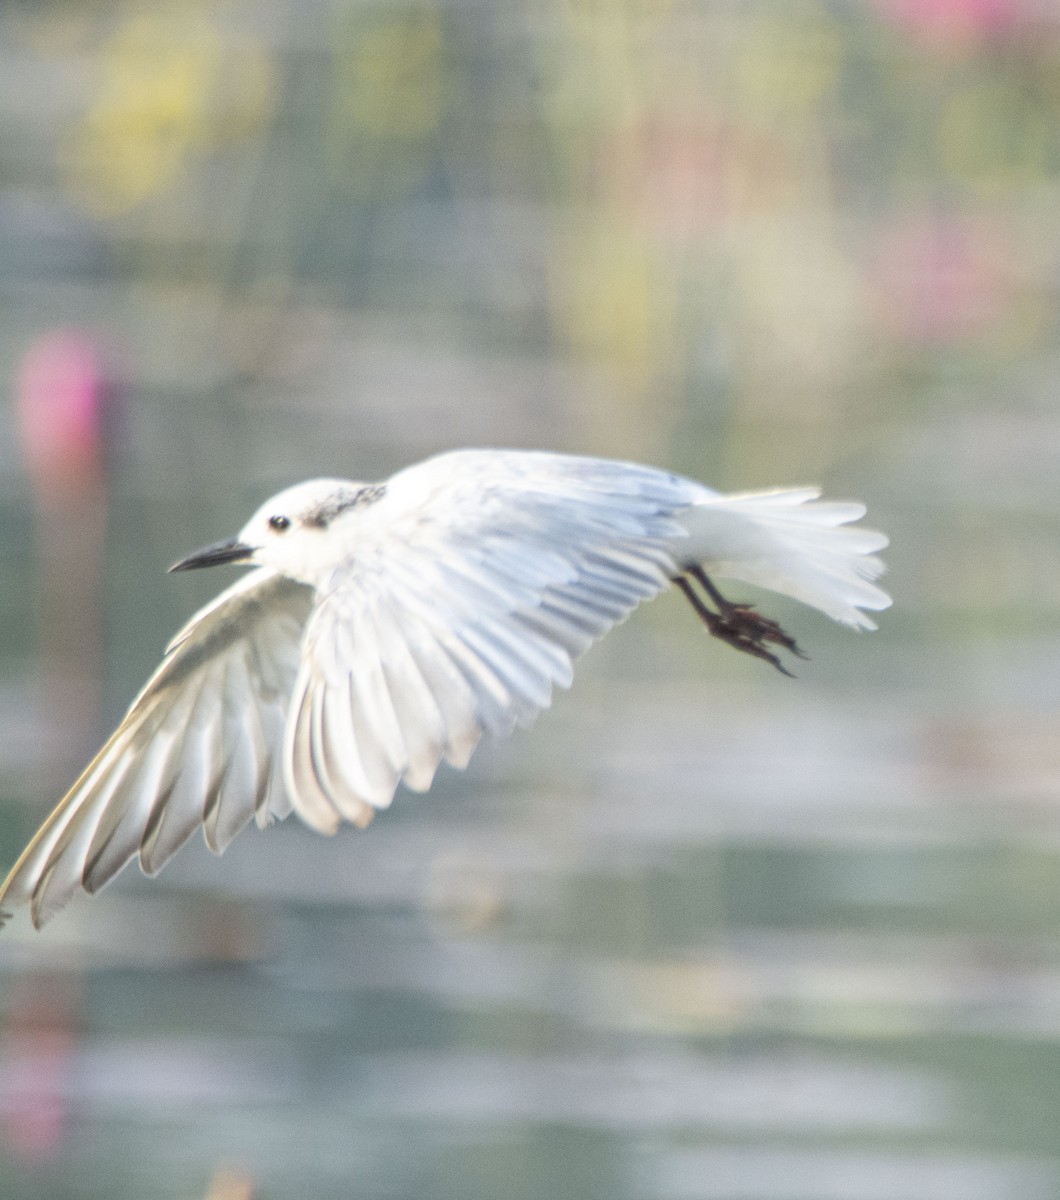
[791,542]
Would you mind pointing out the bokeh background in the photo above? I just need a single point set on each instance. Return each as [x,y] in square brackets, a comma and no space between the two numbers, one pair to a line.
[704,933]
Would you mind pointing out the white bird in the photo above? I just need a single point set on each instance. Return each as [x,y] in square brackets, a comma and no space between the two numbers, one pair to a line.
[386,626]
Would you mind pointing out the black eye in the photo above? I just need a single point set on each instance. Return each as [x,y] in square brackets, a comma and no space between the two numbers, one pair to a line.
[279,523]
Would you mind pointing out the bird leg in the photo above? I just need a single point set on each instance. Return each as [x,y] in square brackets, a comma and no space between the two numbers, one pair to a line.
[738,625]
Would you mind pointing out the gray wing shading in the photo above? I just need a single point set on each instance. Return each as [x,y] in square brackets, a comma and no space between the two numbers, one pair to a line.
[197,748]
[471,588]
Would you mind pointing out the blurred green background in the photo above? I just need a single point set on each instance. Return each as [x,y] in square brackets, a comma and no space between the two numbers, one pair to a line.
[704,933]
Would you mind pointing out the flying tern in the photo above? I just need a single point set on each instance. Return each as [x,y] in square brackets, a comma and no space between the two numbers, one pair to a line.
[384,627]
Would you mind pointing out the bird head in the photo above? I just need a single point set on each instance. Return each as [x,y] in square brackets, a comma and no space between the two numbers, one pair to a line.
[294,532]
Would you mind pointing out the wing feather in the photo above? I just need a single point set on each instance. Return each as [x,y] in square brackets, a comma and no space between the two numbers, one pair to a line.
[246,772]
[198,747]
[451,694]
[61,870]
[121,828]
[308,795]
[415,705]
[373,706]
[335,746]
[469,591]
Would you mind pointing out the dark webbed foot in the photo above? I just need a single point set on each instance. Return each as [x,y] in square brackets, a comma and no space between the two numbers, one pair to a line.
[738,625]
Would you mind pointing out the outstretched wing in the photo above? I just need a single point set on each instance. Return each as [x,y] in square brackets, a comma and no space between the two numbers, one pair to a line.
[471,587]
[198,747]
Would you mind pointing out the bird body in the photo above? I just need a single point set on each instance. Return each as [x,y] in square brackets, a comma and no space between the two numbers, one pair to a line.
[385,627]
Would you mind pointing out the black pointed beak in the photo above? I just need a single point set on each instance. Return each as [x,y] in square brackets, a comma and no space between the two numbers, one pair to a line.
[232,550]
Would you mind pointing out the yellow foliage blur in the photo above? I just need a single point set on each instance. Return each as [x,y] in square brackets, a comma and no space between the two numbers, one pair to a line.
[391,81]
[616,301]
[168,86]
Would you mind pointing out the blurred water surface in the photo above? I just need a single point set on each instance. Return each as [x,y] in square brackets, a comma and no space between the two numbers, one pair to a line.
[703,932]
